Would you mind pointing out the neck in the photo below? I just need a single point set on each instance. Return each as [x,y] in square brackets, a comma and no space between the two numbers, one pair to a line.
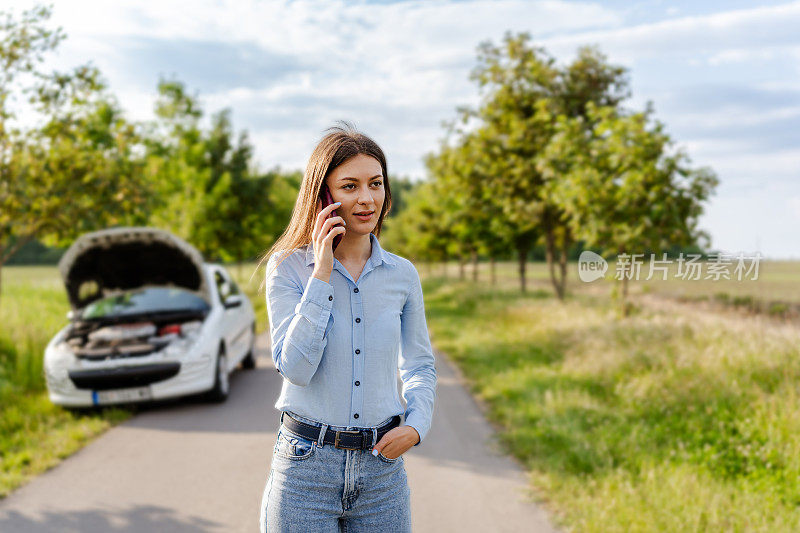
[353,248]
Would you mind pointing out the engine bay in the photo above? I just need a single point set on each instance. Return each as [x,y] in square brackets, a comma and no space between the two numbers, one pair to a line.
[99,340]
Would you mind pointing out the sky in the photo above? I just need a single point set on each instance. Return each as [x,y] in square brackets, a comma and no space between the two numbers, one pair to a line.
[724,78]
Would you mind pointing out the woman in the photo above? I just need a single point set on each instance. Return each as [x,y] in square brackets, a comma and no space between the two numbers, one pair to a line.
[342,322]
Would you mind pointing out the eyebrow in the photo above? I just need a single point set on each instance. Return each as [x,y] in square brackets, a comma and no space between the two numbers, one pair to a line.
[356,179]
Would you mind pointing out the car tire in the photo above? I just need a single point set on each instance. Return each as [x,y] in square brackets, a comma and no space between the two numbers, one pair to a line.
[249,361]
[221,379]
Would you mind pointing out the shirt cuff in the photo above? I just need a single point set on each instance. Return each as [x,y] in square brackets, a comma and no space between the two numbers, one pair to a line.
[417,424]
[420,434]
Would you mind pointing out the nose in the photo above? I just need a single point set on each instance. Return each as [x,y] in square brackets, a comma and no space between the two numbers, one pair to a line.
[364,198]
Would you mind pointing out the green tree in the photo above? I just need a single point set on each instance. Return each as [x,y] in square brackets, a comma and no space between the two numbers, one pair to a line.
[474,217]
[623,189]
[401,187]
[176,164]
[207,190]
[77,170]
[523,93]
[511,126]
[24,42]
[420,230]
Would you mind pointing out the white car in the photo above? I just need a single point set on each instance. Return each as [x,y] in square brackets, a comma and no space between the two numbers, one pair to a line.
[149,320]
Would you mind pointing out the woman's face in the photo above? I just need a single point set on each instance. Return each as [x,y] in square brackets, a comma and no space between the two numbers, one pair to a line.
[358,184]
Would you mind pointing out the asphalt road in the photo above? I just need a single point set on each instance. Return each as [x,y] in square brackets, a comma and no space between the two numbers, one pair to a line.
[190,466]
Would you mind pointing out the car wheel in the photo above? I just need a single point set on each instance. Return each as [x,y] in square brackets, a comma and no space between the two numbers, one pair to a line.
[221,383]
[249,361]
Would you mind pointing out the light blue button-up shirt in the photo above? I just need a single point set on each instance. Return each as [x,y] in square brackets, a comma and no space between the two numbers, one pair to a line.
[339,345]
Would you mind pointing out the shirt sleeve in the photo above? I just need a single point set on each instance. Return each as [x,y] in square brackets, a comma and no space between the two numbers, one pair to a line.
[416,363]
[299,322]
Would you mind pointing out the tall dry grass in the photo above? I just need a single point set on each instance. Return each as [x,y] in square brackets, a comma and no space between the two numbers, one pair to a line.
[665,421]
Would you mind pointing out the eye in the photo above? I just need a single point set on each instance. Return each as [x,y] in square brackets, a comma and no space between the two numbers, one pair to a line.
[378,182]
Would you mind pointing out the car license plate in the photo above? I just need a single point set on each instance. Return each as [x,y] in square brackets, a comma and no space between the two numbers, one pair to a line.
[122,395]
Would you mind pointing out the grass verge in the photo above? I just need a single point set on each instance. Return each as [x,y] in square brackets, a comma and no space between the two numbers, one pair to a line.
[35,435]
[658,422]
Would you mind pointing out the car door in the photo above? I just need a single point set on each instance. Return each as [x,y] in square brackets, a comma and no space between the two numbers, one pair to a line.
[236,323]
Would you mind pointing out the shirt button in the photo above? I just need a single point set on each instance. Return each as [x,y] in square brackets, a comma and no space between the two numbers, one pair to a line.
[355,290]
[358,320]
[330,298]
[358,351]
[355,415]
[358,383]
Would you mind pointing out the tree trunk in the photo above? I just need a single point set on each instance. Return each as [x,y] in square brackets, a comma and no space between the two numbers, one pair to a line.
[562,263]
[551,262]
[491,268]
[523,256]
[474,265]
[624,292]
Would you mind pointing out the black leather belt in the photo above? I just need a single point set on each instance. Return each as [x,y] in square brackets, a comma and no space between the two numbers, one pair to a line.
[360,439]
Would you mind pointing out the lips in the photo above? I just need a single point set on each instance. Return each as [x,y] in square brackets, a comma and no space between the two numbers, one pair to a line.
[364,217]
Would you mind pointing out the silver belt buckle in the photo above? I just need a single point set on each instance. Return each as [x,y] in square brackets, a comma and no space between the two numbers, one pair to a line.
[336,440]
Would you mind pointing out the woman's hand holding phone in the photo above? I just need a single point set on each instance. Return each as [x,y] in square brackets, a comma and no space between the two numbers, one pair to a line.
[322,237]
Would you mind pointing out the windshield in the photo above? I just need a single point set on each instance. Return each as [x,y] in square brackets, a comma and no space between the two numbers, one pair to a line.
[142,301]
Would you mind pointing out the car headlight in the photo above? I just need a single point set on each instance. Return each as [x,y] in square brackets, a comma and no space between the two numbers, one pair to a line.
[180,346]
[59,359]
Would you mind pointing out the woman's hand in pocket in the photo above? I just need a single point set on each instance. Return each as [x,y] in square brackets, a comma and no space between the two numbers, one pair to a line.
[396,442]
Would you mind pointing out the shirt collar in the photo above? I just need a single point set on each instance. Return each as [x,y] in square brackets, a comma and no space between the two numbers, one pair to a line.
[378,254]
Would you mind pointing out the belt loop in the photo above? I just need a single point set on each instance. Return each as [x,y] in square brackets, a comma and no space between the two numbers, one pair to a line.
[321,438]
[374,436]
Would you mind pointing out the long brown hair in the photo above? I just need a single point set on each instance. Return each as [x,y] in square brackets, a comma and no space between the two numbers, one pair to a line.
[337,146]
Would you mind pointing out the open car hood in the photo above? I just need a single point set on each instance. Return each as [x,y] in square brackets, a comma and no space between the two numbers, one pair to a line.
[126,258]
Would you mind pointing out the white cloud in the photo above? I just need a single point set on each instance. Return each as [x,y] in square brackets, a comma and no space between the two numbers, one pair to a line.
[735,116]
[398,70]
[756,221]
[694,35]
[742,55]
[794,204]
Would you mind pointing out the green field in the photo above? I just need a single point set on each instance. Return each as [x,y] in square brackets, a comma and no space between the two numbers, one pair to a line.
[664,421]
[775,292]
[777,280]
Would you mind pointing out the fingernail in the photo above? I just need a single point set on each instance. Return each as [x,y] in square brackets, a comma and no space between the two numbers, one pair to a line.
[375,453]
[337,203]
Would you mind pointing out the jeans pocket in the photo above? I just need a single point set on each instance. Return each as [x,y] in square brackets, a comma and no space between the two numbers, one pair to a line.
[386,459]
[293,446]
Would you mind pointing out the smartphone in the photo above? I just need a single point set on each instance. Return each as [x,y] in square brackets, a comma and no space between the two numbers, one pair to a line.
[327,200]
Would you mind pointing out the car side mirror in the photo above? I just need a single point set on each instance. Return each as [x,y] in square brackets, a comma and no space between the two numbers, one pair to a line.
[234,300]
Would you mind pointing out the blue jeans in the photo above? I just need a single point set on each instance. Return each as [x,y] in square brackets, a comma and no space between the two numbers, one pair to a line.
[321,488]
